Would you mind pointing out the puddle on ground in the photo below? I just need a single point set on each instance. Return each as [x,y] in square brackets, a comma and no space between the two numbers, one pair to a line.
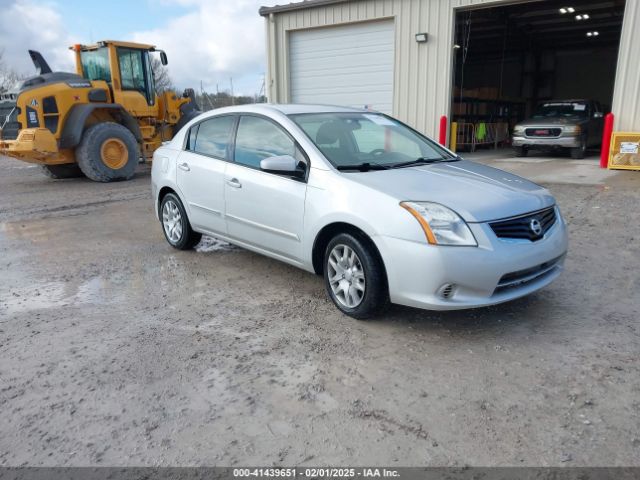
[97,291]
[212,244]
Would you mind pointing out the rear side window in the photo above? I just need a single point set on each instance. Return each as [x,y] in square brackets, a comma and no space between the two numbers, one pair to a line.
[212,137]
[258,138]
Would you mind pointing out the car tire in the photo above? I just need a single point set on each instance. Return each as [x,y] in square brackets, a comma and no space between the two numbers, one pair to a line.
[354,276]
[579,152]
[67,170]
[175,224]
[108,152]
[520,151]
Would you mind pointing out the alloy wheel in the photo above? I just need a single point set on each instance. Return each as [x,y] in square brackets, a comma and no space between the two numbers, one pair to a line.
[172,221]
[346,276]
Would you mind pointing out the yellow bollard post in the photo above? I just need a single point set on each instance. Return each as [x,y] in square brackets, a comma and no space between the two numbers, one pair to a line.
[453,140]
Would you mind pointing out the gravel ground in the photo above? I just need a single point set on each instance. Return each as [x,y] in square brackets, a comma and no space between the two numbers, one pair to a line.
[117,350]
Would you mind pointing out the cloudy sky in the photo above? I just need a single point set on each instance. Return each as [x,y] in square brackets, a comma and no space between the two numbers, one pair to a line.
[205,40]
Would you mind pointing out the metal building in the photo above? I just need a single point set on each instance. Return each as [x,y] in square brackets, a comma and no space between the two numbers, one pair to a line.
[401,56]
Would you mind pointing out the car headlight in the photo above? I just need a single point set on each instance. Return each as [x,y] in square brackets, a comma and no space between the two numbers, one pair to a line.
[572,129]
[441,225]
[518,129]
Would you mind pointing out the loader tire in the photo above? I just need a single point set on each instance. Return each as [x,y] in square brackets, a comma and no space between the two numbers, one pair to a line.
[108,152]
[68,170]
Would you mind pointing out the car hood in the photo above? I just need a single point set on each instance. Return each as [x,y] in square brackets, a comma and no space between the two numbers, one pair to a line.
[476,192]
[552,121]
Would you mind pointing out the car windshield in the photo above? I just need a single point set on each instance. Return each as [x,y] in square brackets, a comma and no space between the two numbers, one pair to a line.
[561,109]
[368,141]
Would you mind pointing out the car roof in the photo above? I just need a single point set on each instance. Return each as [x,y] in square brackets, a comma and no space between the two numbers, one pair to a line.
[289,109]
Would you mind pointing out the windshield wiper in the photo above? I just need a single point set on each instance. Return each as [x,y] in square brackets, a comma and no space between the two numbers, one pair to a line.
[423,160]
[363,167]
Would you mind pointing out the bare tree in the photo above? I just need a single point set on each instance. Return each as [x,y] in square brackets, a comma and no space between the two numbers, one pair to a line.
[161,76]
[8,76]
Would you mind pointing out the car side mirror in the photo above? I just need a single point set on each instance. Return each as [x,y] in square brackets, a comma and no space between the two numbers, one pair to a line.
[598,114]
[163,58]
[280,164]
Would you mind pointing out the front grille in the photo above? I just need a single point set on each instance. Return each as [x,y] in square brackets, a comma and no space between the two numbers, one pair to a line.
[523,277]
[543,132]
[526,226]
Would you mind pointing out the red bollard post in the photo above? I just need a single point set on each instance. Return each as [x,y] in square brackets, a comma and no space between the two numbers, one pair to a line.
[443,131]
[606,140]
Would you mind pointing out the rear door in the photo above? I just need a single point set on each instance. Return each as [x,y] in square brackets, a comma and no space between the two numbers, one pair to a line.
[264,210]
[201,169]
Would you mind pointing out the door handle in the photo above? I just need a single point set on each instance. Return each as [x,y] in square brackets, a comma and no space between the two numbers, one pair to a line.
[184,166]
[234,183]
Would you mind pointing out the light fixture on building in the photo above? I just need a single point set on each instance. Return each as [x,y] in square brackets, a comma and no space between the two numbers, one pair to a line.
[571,9]
[422,37]
[584,16]
[564,10]
[456,46]
[593,34]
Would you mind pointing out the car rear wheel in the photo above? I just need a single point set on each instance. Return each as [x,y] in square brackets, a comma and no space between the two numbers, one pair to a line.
[520,151]
[175,224]
[354,277]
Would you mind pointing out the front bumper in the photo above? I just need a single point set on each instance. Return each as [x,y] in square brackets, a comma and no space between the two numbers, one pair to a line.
[496,271]
[546,142]
[34,145]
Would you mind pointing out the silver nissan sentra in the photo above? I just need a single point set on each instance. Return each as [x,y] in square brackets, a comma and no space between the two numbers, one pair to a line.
[385,214]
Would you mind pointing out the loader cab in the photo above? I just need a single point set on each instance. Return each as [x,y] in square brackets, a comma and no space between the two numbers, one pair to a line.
[126,67]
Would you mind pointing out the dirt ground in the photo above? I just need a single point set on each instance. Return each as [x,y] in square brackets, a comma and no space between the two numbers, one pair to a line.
[116,349]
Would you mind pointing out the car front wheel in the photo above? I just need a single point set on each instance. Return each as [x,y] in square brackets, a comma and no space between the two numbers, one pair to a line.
[354,277]
[580,152]
[175,224]
[520,151]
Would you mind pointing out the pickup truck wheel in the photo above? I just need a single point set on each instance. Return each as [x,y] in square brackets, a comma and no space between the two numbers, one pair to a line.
[175,224]
[354,277]
[520,151]
[68,170]
[108,152]
[581,151]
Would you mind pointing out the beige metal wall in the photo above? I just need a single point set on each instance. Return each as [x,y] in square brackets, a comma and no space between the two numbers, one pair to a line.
[626,92]
[422,77]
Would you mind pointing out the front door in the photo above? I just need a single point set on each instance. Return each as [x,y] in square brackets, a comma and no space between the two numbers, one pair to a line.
[201,170]
[264,210]
[135,91]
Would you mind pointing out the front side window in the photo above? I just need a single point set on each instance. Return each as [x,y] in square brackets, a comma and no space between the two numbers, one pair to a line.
[349,139]
[95,64]
[212,137]
[258,138]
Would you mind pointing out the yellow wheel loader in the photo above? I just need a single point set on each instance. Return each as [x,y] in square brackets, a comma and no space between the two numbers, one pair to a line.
[98,122]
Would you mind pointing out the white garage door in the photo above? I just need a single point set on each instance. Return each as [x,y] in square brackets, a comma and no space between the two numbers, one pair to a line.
[350,65]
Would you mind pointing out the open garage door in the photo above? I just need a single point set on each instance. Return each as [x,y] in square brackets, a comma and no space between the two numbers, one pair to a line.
[512,60]
[350,65]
